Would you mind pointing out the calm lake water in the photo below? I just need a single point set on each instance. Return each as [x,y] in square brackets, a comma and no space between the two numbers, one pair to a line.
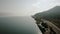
[18,25]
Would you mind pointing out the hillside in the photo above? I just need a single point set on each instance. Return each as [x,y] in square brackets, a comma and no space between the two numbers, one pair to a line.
[52,15]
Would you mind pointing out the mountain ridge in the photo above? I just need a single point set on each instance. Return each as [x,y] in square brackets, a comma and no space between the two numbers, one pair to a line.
[52,15]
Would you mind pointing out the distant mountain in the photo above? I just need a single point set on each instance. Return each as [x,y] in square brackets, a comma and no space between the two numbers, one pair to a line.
[52,15]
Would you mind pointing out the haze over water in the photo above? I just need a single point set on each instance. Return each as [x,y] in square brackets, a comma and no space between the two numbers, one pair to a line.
[18,25]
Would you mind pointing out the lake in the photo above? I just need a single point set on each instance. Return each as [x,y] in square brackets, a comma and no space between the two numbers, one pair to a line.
[18,25]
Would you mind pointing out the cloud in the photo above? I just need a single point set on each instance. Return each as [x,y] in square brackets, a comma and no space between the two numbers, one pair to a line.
[26,7]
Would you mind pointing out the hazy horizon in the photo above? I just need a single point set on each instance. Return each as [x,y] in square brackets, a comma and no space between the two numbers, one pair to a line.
[25,7]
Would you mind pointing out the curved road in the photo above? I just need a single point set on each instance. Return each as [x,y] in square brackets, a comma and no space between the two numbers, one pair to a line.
[55,28]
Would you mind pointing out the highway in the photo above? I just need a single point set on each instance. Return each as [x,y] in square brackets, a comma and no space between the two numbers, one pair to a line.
[54,27]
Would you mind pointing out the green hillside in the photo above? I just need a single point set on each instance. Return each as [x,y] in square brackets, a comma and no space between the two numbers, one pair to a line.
[52,15]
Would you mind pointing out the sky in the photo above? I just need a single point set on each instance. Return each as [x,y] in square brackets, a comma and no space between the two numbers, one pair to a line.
[26,7]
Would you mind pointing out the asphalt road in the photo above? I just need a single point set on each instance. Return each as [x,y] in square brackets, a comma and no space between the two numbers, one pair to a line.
[55,28]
